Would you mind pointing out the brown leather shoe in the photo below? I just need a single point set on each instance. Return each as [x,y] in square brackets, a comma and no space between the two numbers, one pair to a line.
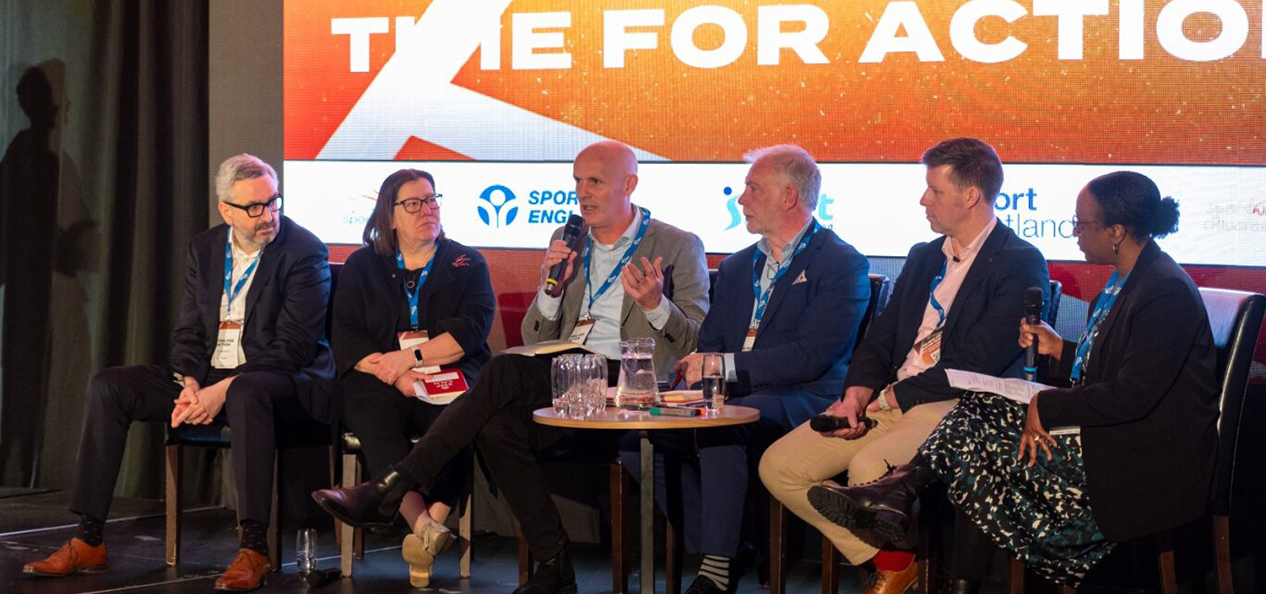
[74,557]
[248,572]
[894,582]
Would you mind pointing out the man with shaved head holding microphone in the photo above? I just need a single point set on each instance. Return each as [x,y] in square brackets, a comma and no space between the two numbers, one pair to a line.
[633,277]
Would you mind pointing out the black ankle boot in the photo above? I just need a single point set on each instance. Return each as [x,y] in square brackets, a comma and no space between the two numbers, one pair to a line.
[553,576]
[885,505]
[374,503]
[963,586]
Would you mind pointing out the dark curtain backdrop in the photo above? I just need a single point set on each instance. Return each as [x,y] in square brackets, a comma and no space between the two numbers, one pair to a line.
[104,182]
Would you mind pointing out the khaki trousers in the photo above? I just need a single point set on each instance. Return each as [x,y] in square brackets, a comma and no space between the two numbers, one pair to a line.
[804,458]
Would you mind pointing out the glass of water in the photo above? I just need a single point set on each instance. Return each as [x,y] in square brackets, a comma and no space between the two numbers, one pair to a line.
[562,372]
[595,391]
[714,380]
[637,387]
[305,550]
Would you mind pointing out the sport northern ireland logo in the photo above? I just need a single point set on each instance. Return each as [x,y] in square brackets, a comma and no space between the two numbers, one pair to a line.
[497,197]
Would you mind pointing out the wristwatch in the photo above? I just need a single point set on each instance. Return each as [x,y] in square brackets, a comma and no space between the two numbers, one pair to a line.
[883,399]
[417,354]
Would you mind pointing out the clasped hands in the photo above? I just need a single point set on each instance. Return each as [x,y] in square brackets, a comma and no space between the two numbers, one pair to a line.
[394,369]
[197,405]
[645,286]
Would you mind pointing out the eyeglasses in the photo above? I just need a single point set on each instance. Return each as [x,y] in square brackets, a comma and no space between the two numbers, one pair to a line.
[1078,225]
[413,205]
[255,210]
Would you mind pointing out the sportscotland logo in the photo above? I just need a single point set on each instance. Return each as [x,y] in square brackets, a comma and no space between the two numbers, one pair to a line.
[731,205]
[497,196]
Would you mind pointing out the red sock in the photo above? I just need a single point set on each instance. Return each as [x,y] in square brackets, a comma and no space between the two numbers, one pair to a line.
[892,559]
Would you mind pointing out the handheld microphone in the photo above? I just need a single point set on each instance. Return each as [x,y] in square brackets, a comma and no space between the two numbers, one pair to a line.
[571,232]
[1032,317]
[824,422]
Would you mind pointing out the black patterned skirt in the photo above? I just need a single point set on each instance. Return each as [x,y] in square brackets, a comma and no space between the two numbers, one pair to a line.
[1040,513]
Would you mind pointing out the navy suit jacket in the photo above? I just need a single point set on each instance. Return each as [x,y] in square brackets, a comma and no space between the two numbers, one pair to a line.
[285,312]
[456,298]
[982,327]
[806,337]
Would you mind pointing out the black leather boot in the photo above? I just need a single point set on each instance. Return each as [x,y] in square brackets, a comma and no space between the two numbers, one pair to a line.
[885,505]
[374,503]
[553,576]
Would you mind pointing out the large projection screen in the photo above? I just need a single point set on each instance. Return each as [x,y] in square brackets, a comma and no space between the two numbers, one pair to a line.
[496,97]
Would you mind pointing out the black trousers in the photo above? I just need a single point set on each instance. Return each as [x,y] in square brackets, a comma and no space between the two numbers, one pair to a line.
[256,403]
[384,420]
[497,411]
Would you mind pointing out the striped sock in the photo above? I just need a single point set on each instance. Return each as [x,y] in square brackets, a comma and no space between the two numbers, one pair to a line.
[717,569]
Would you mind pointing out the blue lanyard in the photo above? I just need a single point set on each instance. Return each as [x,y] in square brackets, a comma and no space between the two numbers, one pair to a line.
[1087,341]
[233,291]
[762,297]
[417,289]
[936,282]
[624,260]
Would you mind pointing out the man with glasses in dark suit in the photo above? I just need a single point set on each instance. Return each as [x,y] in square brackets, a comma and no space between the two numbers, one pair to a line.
[249,350]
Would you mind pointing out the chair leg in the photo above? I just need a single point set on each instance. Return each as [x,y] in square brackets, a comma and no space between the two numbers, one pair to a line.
[1165,559]
[1015,585]
[525,559]
[173,505]
[830,567]
[466,529]
[347,535]
[1222,553]
[620,485]
[777,547]
[672,559]
[274,517]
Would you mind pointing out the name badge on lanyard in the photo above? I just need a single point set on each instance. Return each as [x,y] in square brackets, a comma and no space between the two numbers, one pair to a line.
[583,327]
[762,296]
[228,352]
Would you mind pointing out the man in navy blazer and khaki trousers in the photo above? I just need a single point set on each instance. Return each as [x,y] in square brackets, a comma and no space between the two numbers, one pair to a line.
[800,294]
[955,305]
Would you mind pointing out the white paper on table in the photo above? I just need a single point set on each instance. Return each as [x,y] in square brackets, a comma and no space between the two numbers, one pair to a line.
[1013,388]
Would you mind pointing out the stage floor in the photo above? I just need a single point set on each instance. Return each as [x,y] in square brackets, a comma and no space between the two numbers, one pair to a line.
[35,524]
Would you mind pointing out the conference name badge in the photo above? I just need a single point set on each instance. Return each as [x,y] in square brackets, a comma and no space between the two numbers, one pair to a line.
[580,333]
[749,341]
[930,348]
[227,344]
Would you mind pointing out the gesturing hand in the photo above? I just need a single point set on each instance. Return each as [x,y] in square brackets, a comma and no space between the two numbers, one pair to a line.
[1034,436]
[646,287]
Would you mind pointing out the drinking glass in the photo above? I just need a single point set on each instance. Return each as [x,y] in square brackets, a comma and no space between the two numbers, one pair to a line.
[596,383]
[562,369]
[305,550]
[637,386]
[714,380]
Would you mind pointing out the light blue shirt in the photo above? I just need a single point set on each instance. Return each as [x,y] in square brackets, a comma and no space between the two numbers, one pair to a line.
[605,336]
[772,264]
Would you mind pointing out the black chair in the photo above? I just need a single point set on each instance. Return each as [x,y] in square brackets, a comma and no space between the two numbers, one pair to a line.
[1236,319]
[880,290]
[216,435]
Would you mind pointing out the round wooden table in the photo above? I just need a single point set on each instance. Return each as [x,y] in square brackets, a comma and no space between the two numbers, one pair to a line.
[643,422]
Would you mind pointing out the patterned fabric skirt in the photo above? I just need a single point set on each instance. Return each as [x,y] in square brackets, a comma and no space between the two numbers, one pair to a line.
[1040,513]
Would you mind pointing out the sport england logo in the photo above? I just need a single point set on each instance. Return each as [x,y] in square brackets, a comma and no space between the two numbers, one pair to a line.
[497,196]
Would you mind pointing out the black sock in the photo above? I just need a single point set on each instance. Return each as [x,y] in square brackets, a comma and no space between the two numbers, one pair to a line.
[255,537]
[90,530]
